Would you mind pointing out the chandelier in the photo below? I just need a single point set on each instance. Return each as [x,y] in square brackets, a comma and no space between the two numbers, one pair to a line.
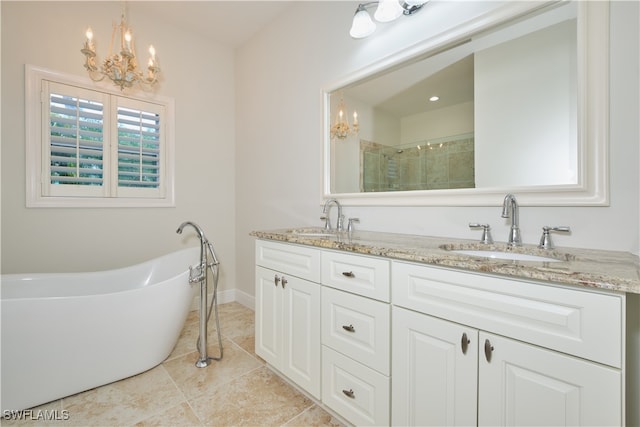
[341,128]
[120,67]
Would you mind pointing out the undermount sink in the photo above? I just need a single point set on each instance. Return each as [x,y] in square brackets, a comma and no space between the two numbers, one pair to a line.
[510,256]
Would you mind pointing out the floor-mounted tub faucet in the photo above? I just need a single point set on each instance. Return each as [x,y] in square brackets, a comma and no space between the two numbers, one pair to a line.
[510,202]
[200,274]
[325,215]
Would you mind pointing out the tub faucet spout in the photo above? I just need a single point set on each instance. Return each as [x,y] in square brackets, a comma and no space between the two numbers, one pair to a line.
[510,203]
[203,239]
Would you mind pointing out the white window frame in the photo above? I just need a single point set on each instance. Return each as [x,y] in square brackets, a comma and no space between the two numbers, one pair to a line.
[39,191]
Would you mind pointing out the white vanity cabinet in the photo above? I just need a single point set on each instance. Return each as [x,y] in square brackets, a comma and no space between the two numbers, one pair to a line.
[288,311]
[514,351]
[435,373]
[356,337]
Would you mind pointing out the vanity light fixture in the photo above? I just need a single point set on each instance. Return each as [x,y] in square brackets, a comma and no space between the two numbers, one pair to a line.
[120,67]
[387,11]
[341,128]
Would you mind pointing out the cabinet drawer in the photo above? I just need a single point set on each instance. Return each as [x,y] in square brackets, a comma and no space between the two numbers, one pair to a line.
[358,274]
[295,260]
[357,327]
[582,323]
[358,393]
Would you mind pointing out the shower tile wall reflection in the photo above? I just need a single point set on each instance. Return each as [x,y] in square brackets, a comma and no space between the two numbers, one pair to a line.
[425,166]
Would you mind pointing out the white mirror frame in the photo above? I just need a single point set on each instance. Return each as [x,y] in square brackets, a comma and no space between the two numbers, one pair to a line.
[592,188]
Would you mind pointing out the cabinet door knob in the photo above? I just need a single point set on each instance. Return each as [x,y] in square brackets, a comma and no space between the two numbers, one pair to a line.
[284,282]
[349,328]
[464,343]
[488,350]
[348,274]
[349,393]
[276,280]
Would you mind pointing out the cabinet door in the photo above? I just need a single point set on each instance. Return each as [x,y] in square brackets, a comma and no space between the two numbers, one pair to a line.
[268,333]
[301,333]
[521,384]
[434,367]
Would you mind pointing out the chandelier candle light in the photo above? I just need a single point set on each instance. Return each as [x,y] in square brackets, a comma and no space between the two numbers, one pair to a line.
[341,128]
[122,67]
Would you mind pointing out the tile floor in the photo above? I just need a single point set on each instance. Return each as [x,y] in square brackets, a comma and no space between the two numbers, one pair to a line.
[239,390]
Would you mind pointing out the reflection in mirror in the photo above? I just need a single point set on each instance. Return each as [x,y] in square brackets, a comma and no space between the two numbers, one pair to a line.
[498,110]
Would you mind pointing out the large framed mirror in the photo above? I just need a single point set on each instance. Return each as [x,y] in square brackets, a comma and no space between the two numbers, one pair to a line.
[519,104]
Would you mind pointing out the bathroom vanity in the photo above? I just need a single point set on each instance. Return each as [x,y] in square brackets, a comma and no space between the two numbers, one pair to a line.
[388,329]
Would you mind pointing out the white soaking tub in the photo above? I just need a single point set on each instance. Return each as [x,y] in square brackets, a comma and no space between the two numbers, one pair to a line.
[64,333]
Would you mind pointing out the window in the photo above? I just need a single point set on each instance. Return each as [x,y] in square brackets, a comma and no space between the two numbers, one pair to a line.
[91,147]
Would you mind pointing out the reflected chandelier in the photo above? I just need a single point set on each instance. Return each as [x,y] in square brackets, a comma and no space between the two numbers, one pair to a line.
[387,11]
[341,128]
[120,67]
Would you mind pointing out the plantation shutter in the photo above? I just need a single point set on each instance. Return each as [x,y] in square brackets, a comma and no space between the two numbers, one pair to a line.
[140,148]
[89,146]
[76,136]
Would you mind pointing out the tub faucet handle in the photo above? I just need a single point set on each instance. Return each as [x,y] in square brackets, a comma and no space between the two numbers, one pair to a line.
[545,240]
[486,238]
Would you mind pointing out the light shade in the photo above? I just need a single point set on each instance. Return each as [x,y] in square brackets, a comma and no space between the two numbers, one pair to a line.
[388,10]
[362,25]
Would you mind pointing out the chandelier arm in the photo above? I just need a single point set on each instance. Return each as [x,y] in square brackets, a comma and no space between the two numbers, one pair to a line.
[121,68]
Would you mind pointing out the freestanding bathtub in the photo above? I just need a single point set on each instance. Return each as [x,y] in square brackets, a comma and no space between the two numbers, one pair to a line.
[66,333]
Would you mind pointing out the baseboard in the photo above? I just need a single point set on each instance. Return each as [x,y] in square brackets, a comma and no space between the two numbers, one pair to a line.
[229,295]
[245,299]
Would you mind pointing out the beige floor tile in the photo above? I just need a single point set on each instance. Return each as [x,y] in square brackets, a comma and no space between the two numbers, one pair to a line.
[238,390]
[124,402]
[259,398]
[195,382]
[178,416]
[248,344]
[314,417]
[49,414]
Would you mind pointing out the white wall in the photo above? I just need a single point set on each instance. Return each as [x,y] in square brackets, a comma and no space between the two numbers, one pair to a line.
[279,131]
[441,123]
[50,35]
[523,121]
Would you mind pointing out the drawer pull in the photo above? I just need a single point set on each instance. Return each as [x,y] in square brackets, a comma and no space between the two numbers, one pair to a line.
[284,282]
[348,274]
[349,328]
[488,350]
[276,280]
[349,393]
[465,343]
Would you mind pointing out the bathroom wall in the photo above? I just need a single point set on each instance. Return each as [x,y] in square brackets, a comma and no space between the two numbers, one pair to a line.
[279,133]
[50,35]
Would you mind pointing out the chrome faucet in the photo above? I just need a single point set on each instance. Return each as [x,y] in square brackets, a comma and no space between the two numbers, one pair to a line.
[327,220]
[514,232]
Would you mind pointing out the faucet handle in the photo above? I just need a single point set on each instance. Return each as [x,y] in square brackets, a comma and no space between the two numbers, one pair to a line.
[486,232]
[545,240]
[327,222]
[350,224]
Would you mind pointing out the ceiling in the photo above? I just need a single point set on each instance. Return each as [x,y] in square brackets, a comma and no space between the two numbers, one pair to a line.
[228,22]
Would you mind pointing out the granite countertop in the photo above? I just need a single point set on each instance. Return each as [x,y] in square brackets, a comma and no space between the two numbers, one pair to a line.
[610,270]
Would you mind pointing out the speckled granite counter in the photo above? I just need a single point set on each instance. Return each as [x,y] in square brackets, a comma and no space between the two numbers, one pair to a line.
[611,270]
